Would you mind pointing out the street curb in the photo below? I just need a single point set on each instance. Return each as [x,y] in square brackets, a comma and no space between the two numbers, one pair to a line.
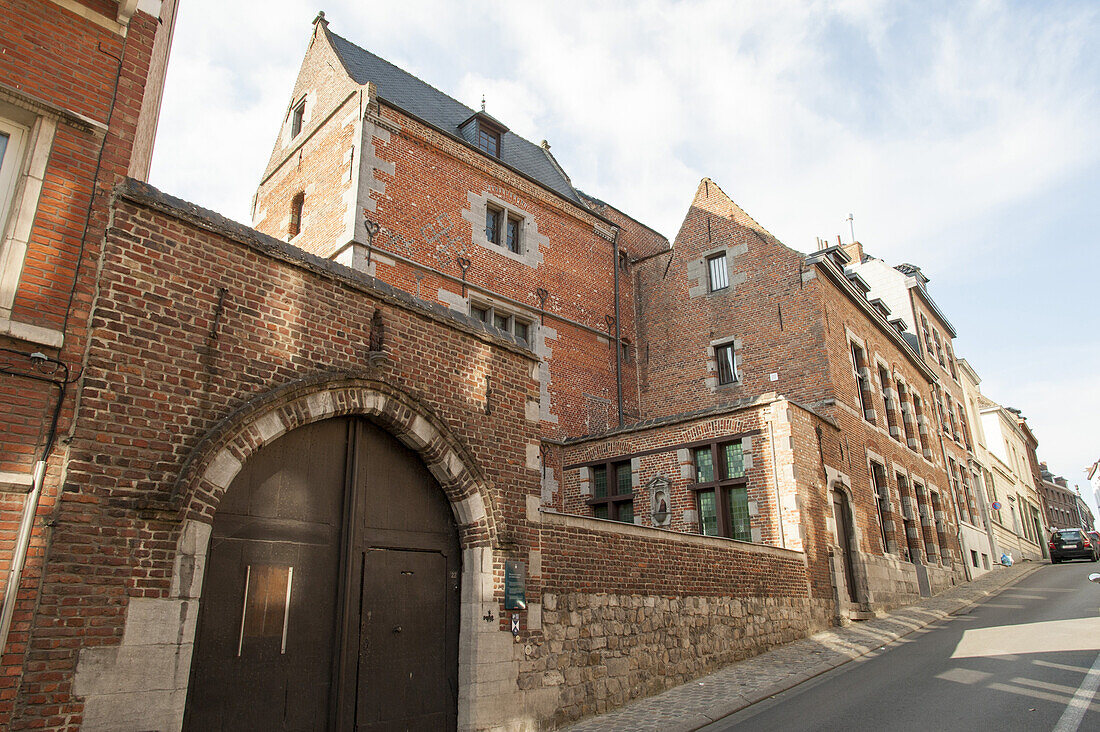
[793,681]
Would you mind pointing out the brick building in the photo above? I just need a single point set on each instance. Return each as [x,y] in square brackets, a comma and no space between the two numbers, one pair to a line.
[80,85]
[456,442]
[1059,502]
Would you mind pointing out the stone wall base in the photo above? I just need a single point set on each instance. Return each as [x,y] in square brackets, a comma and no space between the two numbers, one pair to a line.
[600,651]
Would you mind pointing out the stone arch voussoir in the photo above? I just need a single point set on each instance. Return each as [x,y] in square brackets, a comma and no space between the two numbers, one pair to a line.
[218,458]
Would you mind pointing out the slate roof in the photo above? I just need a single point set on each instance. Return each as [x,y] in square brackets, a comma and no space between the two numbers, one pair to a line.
[408,93]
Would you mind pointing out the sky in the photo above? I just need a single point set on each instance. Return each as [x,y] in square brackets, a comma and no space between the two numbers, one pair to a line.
[960,136]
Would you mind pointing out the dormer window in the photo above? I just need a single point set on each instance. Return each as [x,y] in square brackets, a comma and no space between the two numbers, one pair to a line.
[489,141]
[484,132]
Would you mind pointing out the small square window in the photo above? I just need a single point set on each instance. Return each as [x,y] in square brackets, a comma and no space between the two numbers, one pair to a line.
[717,273]
[522,331]
[502,320]
[618,506]
[480,313]
[727,363]
[297,115]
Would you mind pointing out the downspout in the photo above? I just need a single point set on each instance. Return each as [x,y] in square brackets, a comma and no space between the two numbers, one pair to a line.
[618,340]
[30,507]
[775,478]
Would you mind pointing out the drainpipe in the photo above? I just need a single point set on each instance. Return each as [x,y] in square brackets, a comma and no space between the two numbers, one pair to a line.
[775,478]
[30,507]
[618,341]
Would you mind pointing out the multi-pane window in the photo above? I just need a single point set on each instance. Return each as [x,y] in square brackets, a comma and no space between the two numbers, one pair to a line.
[964,427]
[906,418]
[882,500]
[918,408]
[489,141]
[511,237]
[717,273]
[927,334]
[726,357]
[503,229]
[612,492]
[951,361]
[502,320]
[721,491]
[297,115]
[888,403]
[863,383]
[939,347]
[297,205]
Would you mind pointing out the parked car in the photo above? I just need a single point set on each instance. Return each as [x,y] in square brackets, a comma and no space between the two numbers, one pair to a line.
[1073,544]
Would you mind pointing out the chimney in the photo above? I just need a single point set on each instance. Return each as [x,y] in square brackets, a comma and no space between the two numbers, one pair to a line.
[854,250]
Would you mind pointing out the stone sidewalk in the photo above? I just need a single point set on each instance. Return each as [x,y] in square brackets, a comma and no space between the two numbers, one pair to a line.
[707,699]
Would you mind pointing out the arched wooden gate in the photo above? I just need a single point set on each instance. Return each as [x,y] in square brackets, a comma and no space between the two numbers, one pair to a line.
[331,593]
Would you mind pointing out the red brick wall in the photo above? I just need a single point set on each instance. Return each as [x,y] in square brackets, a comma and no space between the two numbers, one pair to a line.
[421,208]
[71,63]
[676,328]
[157,382]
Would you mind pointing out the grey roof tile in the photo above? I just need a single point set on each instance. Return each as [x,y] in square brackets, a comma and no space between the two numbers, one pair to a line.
[422,100]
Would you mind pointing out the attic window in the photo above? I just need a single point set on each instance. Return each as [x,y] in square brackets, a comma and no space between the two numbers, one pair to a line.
[488,140]
[296,117]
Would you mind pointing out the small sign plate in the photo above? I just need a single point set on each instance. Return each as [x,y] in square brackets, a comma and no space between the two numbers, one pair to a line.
[515,585]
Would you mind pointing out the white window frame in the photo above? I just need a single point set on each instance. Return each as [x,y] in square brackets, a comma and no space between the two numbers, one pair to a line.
[722,270]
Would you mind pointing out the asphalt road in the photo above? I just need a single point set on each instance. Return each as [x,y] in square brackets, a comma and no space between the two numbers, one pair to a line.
[1026,659]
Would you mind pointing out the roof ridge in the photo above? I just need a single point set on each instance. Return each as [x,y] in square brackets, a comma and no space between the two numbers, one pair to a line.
[395,67]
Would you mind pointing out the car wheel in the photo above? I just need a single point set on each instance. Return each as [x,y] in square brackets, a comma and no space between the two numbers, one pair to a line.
[1054,560]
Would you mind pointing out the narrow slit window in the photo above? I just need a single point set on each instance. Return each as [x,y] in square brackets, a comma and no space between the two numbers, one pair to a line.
[492,225]
[297,206]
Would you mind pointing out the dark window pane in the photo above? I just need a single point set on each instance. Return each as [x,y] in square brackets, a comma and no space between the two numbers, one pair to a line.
[708,513]
[739,513]
[719,278]
[600,511]
[492,225]
[735,460]
[489,142]
[599,481]
[704,465]
[480,313]
[501,321]
[296,119]
[521,331]
[513,235]
[623,478]
[727,370]
[626,511]
[3,145]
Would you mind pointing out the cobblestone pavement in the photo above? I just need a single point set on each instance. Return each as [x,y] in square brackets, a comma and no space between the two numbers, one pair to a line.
[709,698]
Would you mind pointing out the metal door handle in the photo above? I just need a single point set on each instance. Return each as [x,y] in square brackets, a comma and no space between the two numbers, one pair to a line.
[397,629]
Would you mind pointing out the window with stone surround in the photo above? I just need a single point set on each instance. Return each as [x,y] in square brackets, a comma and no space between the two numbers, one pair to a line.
[26,140]
[502,320]
[297,206]
[297,116]
[12,141]
[888,404]
[612,491]
[863,382]
[717,274]
[882,500]
[907,421]
[726,356]
[927,334]
[503,229]
[922,434]
[721,490]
